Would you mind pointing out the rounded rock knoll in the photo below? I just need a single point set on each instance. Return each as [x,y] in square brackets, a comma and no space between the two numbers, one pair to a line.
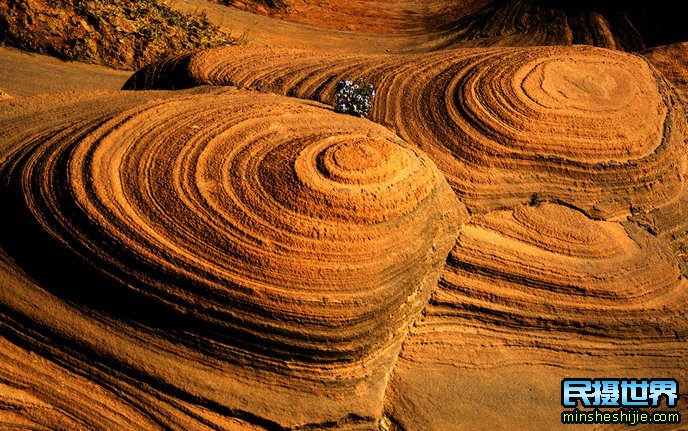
[594,128]
[530,296]
[270,240]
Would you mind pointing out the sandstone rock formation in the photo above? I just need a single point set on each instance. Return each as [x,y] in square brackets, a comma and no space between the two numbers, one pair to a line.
[671,61]
[530,295]
[572,163]
[220,250]
[630,25]
[593,128]
[243,252]
[370,16]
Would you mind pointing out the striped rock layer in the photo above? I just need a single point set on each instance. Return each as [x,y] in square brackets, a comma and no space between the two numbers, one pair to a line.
[616,24]
[530,296]
[592,128]
[590,282]
[250,254]
[248,261]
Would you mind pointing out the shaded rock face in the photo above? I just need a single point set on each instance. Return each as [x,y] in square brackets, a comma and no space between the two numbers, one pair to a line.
[271,240]
[633,25]
[624,25]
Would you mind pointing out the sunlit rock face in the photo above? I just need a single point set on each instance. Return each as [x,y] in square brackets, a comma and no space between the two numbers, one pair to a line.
[277,245]
[593,128]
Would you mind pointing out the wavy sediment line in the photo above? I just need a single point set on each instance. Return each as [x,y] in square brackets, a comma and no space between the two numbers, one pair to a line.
[547,278]
[256,255]
[4,95]
[530,296]
[38,393]
[669,224]
[592,128]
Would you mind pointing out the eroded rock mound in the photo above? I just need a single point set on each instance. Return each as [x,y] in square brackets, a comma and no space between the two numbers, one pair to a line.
[532,295]
[550,270]
[594,128]
[270,254]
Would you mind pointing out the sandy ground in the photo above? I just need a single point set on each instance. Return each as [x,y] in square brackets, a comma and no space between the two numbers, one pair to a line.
[25,74]
[266,31]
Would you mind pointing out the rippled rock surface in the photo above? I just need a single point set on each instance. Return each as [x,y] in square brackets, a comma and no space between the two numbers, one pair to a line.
[572,163]
[252,253]
[532,295]
[589,127]
[228,258]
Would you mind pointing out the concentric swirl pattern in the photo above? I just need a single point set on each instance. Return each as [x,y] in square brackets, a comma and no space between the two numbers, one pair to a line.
[262,231]
[561,267]
[548,277]
[590,127]
[583,108]
[530,296]
[228,253]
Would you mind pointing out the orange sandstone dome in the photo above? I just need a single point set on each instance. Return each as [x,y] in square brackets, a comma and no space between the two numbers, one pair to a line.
[532,295]
[273,241]
[550,268]
[220,252]
[594,128]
